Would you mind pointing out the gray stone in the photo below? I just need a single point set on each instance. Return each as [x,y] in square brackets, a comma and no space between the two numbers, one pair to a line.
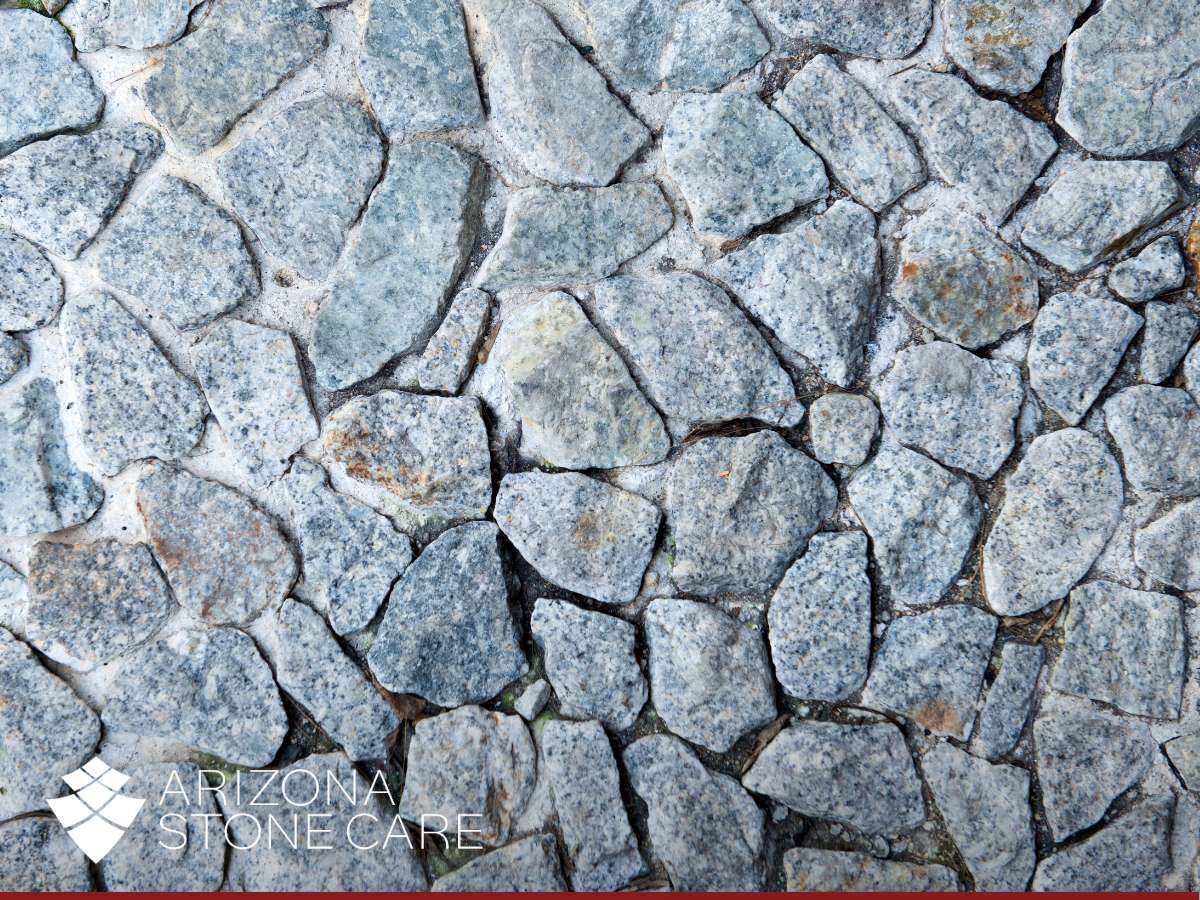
[416,68]
[473,763]
[1191,371]
[1169,548]
[986,809]
[864,149]
[578,405]
[531,69]
[30,290]
[41,490]
[695,353]
[1009,699]
[224,558]
[302,180]
[808,869]
[37,855]
[726,494]
[555,238]
[1129,78]
[48,732]
[891,29]
[412,245]
[13,356]
[951,404]
[587,797]
[737,163]
[1157,268]
[922,520]
[133,403]
[219,72]
[447,634]
[579,533]
[710,678]
[43,90]
[721,847]
[14,600]
[1169,330]
[1085,760]
[1158,432]
[589,658]
[96,24]
[1061,506]
[814,287]
[957,278]
[1097,207]
[985,148]
[59,193]
[858,775]
[842,428]
[1184,753]
[180,254]
[1124,647]
[533,700]
[451,352]
[530,863]
[351,554]
[209,689]
[820,619]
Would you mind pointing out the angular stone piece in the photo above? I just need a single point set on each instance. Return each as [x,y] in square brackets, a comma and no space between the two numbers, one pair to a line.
[533,700]
[224,558]
[180,254]
[579,407]
[37,855]
[922,520]
[13,356]
[450,353]
[1157,268]
[814,287]
[985,148]
[1191,371]
[219,72]
[531,862]
[833,870]
[721,849]
[888,30]
[1184,753]
[1061,506]
[209,689]
[859,775]
[1003,716]
[864,149]
[589,658]
[1169,548]
[842,428]
[447,634]
[1169,331]
[96,24]
[1158,432]
[14,600]
[1096,208]
[30,290]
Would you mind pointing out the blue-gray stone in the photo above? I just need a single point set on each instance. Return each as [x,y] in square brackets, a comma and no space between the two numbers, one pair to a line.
[1157,268]
[889,30]
[1158,432]
[30,290]
[1009,699]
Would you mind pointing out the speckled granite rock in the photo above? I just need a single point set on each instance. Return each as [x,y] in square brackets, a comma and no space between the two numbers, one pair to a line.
[531,862]
[1169,548]
[1156,269]
[808,869]
[37,855]
[14,600]
[533,700]
[888,30]
[1184,753]
[1158,432]
[1169,330]
[13,356]
[1009,699]
[842,428]
[30,290]
[1191,372]
[96,24]
[450,353]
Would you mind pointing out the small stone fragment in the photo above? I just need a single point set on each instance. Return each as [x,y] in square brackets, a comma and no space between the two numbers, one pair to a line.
[1184,753]
[889,30]
[30,290]
[531,862]
[37,855]
[14,601]
[1169,330]
[533,700]
[451,351]
[1157,268]
[1169,549]
[13,356]
[96,24]
[833,870]
[1158,432]
[842,428]
[1191,371]
[1008,699]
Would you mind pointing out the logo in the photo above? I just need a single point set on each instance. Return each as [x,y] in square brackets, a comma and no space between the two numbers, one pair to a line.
[96,815]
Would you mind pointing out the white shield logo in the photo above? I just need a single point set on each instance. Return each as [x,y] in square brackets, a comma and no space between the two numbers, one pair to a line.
[96,815]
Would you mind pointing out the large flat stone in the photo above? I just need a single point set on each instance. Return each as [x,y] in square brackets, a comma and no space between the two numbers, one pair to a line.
[452,351]
[96,24]
[1157,268]
[1169,331]
[30,290]
[842,428]
[1158,432]
[37,855]
[1003,716]
[889,30]
[1169,548]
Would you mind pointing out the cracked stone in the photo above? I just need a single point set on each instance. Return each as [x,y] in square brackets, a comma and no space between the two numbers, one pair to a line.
[451,352]
[1169,331]
[842,428]
[13,356]
[1158,432]
[533,700]
[808,869]
[1157,268]
[531,862]
[890,30]
[37,855]
[1009,699]
[96,24]
[30,290]
[1169,549]
[1184,753]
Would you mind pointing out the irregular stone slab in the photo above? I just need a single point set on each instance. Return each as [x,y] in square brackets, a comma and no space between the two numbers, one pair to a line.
[721,849]
[559,238]
[226,580]
[1158,432]
[986,809]
[48,732]
[709,674]
[180,254]
[415,66]
[859,775]
[579,533]
[423,461]
[219,72]
[531,68]
[1184,753]
[814,287]
[133,403]
[59,193]
[1097,207]
[1156,269]
[663,44]
[737,163]
[922,521]
[956,407]
[956,277]
[1124,647]
[37,855]
[725,494]
[1169,549]
[447,634]
[807,869]
[1060,508]
[412,245]
[587,797]
[302,179]
[533,700]
[531,862]
[41,490]
[351,554]
[579,407]
[30,290]
[1009,699]
[1085,760]
[589,658]
[96,24]
[820,619]
[209,689]
[889,30]
[1129,80]
[450,353]
[985,148]
[473,763]
[45,90]
[13,356]
[864,149]
[697,355]
[1169,331]
[842,428]
[1005,44]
